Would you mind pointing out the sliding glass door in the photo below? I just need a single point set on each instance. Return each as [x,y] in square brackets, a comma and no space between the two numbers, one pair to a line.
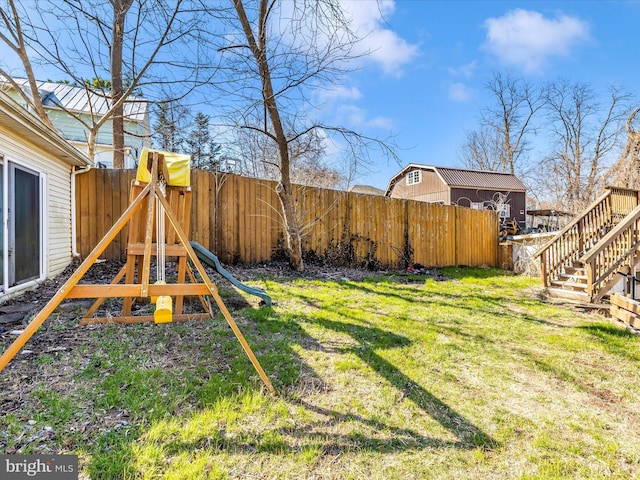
[20,224]
[24,225]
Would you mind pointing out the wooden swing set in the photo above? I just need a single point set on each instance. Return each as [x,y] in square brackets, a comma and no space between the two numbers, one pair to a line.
[152,203]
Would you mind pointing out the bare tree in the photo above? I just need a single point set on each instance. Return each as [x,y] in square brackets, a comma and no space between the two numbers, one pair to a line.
[275,52]
[585,133]
[15,40]
[501,142]
[483,150]
[120,10]
[259,158]
[135,43]
[626,171]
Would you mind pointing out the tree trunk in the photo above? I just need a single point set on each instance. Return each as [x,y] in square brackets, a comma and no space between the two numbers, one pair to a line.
[292,229]
[285,189]
[91,144]
[120,9]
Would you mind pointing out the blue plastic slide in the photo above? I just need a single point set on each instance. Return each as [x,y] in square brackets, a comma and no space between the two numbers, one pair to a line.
[210,259]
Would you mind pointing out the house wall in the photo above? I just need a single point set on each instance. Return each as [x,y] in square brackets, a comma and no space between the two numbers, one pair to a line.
[73,131]
[517,200]
[430,189]
[57,195]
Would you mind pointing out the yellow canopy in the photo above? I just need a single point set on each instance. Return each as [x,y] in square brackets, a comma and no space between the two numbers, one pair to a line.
[178,166]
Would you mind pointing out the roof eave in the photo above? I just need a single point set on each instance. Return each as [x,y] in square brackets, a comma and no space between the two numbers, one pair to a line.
[402,172]
[28,126]
[469,187]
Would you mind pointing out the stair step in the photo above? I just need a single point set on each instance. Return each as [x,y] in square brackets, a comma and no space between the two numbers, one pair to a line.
[571,278]
[569,286]
[581,297]
[575,270]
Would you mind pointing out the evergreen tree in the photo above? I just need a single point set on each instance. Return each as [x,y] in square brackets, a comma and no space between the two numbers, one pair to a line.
[204,151]
[167,128]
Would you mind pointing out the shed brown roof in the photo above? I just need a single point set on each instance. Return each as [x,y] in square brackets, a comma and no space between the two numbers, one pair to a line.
[456,177]
[465,178]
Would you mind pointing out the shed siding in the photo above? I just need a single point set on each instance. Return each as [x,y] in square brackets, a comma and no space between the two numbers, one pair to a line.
[430,189]
[58,196]
[464,196]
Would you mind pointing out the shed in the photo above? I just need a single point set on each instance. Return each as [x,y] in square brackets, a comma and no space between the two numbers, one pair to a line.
[37,168]
[476,189]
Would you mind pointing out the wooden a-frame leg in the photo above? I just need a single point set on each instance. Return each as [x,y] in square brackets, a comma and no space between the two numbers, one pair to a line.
[130,269]
[182,267]
[100,301]
[216,296]
[63,291]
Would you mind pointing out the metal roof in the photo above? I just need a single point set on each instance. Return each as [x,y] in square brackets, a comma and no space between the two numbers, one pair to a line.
[456,177]
[367,189]
[79,99]
[28,127]
[465,178]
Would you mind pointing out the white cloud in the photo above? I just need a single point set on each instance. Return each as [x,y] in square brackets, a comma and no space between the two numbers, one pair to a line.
[338,93]
[465,70]
[385,47]
[527,39]
[356,118]
[459,92]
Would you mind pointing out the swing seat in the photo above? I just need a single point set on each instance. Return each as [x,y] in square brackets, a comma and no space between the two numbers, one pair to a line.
[163,312]
[154,298]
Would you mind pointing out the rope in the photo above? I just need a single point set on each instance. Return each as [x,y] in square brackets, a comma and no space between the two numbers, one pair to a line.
[160,233]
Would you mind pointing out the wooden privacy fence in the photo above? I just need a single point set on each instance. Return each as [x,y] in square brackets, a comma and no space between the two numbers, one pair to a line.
[239,220]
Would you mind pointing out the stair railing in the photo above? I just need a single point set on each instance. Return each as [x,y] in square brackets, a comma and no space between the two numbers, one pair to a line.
[584,231]
[618,250]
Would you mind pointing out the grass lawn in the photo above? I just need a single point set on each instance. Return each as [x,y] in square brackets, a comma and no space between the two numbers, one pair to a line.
[382,378]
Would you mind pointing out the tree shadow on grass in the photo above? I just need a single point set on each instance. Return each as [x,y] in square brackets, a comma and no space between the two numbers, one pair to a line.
[335,431]
[492,304]
[614,340]
[177,371]
[607,331]
[368,340]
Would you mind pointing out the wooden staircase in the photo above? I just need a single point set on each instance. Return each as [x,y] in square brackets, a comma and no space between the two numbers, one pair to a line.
[570,284]
[584,261]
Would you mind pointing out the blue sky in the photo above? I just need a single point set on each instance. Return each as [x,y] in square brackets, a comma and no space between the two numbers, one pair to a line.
[424,81]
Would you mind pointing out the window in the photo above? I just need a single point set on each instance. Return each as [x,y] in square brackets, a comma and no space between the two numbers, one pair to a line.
[414,177]
[505,210]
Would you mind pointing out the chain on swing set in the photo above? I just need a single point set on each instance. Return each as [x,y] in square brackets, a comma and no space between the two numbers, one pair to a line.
[160,192]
